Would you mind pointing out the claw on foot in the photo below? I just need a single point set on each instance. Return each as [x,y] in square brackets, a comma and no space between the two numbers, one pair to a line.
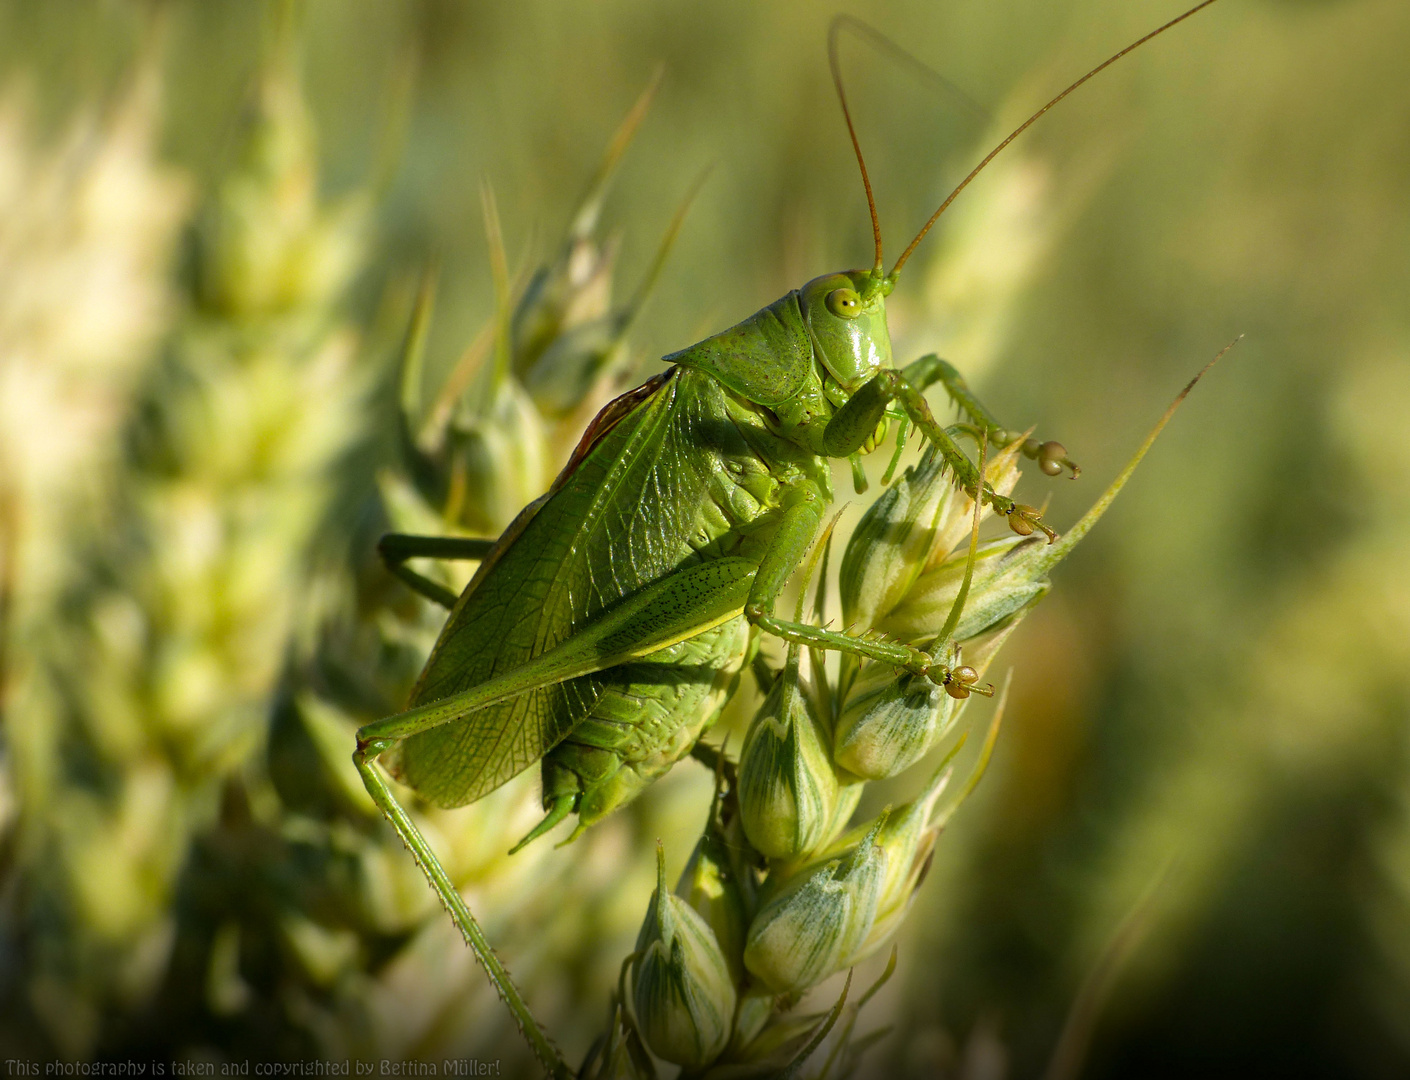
[1051,457]
[959,682]
[1023,519]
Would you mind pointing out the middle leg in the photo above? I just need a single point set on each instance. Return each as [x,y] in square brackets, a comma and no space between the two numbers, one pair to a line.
[801,520]
[397,548]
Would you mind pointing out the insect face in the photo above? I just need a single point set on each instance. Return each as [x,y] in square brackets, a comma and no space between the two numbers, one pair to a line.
[846,318]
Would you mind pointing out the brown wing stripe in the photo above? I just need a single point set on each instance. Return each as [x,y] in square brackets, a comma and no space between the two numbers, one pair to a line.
[612,414]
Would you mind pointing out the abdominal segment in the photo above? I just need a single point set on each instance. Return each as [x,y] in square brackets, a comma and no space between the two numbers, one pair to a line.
[647,717]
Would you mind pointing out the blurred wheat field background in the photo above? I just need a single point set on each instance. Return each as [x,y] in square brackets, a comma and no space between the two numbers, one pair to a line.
[216,224]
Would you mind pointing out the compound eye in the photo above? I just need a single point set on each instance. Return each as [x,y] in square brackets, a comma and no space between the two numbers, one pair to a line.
[844,303]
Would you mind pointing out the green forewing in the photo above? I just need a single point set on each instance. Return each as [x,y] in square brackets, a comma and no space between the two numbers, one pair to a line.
[675,483]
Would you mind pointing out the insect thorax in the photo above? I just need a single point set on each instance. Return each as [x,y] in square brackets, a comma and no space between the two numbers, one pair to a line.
[798,359]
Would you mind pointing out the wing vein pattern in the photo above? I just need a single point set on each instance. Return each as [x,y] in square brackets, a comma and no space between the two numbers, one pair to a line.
[677,474]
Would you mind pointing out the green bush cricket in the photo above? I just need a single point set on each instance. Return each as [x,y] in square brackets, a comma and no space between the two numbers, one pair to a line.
[606,628]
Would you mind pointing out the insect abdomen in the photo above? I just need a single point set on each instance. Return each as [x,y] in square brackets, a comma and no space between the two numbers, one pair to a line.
[648,714]
[647,718]
[655,494]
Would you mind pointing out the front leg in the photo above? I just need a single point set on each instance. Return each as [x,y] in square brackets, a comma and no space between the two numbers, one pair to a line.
[850,425]
[1051,456]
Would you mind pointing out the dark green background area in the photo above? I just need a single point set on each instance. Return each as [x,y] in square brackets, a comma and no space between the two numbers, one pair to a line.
[1212,710]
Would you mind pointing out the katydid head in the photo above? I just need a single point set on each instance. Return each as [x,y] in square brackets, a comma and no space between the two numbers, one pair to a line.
[807,353]
[846,312]
[845,315]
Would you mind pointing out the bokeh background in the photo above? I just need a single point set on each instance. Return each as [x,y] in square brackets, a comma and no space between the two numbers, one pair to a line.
[1192,853]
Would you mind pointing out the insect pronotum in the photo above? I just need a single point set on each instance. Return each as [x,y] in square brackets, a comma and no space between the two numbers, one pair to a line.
[605,629]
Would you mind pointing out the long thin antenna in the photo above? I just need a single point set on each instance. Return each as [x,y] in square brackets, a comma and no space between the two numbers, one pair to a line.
[833,62]
[866,32]
[1022,128]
